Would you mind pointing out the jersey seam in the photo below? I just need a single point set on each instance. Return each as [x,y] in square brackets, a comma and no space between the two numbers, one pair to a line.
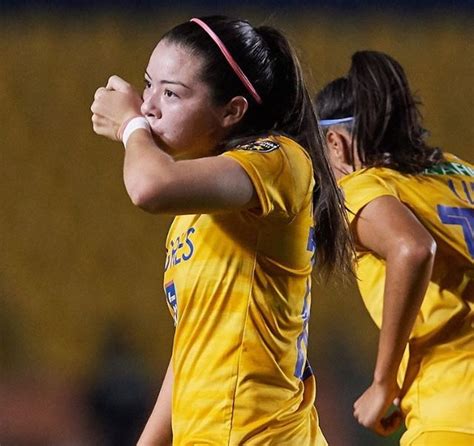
[243,337]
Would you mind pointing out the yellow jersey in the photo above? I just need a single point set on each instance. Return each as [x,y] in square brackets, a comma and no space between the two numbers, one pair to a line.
[437,371]
[238,286]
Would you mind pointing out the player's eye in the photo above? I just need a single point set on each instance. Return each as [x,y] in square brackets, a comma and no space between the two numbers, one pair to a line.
[147,83]
[169,93]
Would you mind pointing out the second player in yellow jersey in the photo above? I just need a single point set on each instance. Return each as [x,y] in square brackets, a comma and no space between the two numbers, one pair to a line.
[437,370]
[411,208]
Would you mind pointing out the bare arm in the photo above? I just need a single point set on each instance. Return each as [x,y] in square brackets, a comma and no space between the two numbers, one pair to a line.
[389,229]
[157,430]
[158,184]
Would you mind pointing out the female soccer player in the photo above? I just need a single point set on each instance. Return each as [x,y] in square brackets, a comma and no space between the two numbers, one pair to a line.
[227,140]
[411,209]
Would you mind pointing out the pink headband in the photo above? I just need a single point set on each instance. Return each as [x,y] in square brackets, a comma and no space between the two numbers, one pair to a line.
[235,66]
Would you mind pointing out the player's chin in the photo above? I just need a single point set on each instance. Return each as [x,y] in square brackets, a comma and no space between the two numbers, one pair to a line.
[161,143]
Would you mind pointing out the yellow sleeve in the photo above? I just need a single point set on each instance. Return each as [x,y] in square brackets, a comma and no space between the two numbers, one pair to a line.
[363,187]
[281,174]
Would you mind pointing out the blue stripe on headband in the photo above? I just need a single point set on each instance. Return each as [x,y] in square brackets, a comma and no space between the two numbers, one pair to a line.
[328,122]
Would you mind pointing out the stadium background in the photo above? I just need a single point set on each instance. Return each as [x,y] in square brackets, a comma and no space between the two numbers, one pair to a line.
[85,335]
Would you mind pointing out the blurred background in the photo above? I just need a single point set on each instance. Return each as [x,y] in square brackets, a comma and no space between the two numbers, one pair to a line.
[85,335]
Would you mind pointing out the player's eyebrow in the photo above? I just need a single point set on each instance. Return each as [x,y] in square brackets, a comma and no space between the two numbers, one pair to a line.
[164,81]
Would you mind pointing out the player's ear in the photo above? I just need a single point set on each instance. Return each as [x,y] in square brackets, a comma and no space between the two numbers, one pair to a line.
[234,111]
[339,142]
[337,145]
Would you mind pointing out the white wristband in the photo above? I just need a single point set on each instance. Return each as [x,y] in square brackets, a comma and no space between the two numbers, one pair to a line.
[134,124]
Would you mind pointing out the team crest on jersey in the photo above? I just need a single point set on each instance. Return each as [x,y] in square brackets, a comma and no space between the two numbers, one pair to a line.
[171,297]
[263,146]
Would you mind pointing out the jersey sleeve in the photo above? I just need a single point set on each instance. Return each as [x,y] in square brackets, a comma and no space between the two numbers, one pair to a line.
[359,190]
[280,173]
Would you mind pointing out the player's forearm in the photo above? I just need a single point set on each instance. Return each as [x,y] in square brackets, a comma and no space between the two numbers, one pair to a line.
[157,431]
[146,171]
[408,273]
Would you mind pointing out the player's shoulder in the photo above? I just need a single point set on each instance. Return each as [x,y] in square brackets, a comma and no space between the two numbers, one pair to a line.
[367,184]
[270,143]
[276,150]
[261,145]
[375,175]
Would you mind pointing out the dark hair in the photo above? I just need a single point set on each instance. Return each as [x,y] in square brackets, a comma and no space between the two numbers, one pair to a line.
[387,126]
[269,62]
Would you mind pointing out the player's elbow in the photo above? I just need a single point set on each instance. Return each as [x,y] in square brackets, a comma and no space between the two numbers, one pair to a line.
[421,250]
[148,193]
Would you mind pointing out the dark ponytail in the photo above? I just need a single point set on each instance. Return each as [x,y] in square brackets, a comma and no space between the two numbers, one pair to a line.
[270,63]
[387,126]
[296,118]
